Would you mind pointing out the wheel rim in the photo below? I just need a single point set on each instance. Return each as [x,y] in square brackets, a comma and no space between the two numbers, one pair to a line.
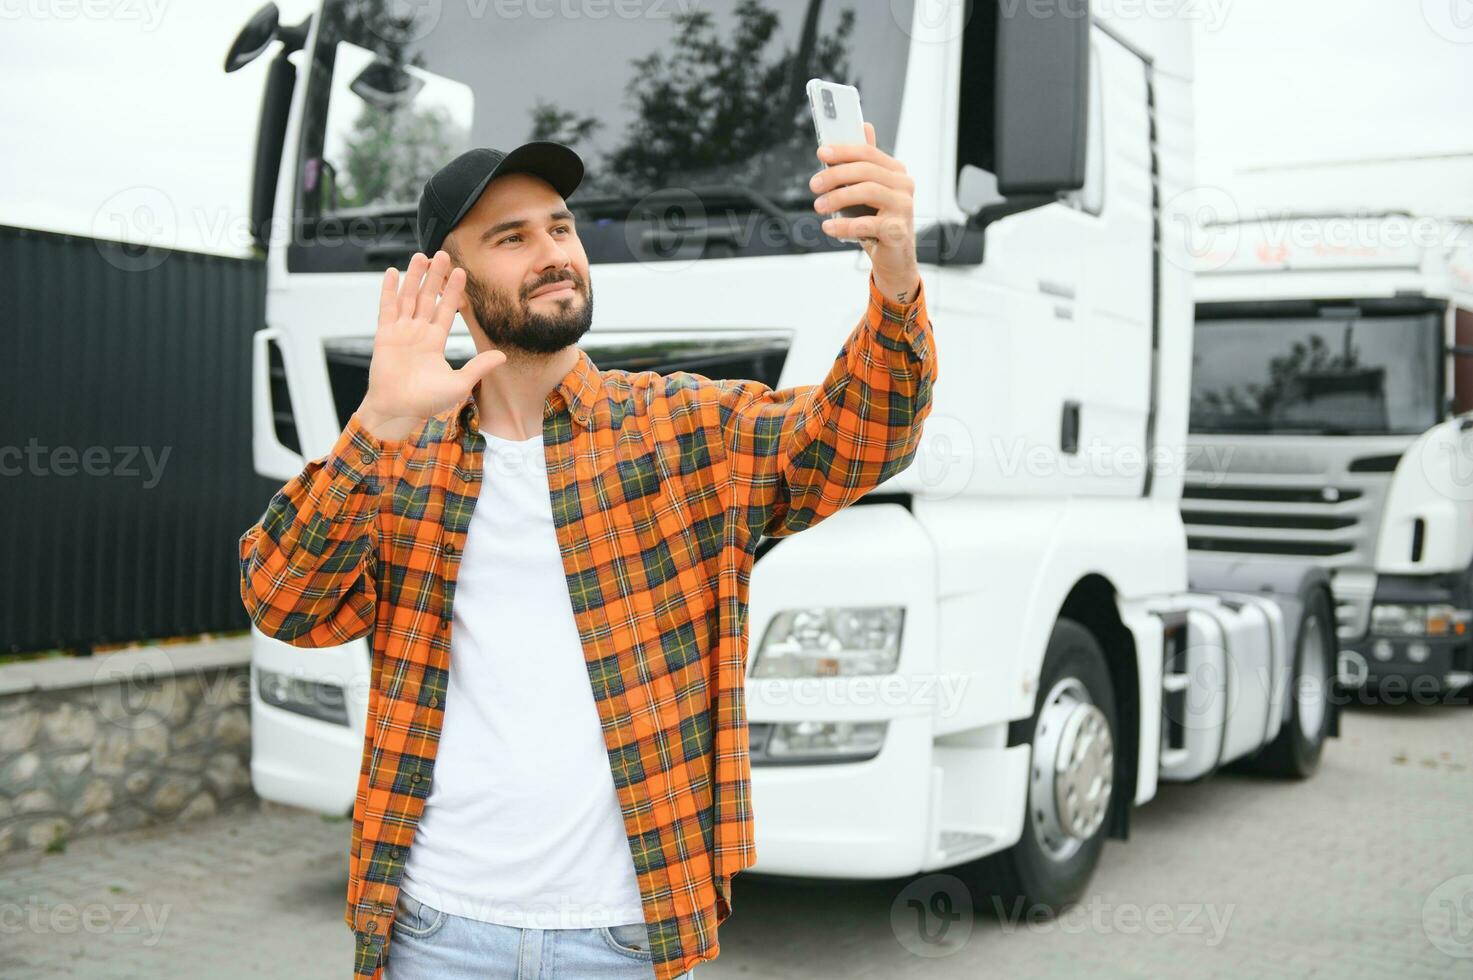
[1314,669]
[1073,772]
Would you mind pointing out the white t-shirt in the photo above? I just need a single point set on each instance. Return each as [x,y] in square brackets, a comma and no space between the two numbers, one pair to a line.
[522,825]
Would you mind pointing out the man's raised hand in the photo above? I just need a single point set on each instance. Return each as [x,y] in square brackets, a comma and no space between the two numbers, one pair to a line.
[409,379]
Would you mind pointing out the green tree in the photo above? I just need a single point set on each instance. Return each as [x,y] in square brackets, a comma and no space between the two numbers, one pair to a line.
[388,153]
[713,108]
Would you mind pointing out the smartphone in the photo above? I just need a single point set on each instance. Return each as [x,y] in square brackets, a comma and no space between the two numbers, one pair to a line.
[837,118]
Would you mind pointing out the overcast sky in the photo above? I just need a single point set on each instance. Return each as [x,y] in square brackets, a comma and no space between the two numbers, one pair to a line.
[112,103]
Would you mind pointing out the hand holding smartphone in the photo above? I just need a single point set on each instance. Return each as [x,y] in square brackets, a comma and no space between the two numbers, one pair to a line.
[837,118]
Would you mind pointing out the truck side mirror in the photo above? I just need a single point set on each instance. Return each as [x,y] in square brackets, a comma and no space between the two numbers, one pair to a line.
[1035,58]
[254,38]
[1041,97]
[264,27]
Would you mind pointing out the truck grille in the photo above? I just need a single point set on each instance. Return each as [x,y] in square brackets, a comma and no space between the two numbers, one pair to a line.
[1335,523]
[1312,500]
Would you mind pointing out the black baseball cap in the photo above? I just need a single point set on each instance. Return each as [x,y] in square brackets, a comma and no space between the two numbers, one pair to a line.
[456,187]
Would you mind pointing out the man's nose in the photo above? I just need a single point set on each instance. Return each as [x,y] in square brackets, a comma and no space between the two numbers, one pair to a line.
[552,256]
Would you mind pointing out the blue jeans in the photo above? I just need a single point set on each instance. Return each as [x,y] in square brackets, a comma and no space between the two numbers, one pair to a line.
[430,944]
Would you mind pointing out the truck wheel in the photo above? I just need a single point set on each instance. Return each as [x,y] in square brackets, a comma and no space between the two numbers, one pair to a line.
[1295,753]
[1071,780]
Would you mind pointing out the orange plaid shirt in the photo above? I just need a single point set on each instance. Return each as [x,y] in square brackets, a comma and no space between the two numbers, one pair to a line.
[661,487]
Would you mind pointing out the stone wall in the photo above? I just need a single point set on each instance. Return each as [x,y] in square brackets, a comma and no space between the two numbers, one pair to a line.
[122,740]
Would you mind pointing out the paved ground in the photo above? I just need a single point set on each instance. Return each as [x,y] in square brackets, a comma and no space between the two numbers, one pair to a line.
[1365,871]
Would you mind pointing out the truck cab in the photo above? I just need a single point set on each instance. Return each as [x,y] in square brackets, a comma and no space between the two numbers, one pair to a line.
[1332,388]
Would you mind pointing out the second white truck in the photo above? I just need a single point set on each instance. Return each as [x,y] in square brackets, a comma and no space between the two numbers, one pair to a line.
[1332,409]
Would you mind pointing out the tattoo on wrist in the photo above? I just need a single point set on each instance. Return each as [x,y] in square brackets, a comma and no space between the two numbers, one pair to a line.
[900,296]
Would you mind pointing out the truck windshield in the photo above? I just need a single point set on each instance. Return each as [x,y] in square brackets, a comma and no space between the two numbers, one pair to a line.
[653,95]
[1332,375]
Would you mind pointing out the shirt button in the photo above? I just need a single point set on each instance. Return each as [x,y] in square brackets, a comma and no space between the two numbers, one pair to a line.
[372,926]
[414,778]
[366,456]
[397,853]
[434,702]
[449,551]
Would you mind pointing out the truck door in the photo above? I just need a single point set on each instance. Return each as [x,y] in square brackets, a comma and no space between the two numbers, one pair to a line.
[1063,301]
[1114,221]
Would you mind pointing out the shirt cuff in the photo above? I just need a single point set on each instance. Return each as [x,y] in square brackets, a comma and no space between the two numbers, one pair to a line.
[900,326]
[354,459]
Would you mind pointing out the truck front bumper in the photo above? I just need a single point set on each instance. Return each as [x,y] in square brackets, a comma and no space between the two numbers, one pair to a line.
[299,760]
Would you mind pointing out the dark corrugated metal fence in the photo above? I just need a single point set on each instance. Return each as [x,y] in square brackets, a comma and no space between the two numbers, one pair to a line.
[125,440]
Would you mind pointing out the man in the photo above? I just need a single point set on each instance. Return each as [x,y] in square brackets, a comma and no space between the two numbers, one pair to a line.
[580,703]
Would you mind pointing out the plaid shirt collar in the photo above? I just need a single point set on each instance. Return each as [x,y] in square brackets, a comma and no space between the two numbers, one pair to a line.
[578,390]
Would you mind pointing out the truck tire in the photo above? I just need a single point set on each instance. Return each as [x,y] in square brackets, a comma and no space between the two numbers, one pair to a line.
[1295,753]
[1072,777]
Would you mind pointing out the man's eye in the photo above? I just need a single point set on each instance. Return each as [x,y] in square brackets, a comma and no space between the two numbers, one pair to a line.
[509,238]
[562,228]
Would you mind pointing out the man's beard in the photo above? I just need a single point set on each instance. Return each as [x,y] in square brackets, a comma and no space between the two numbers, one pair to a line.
[513,327]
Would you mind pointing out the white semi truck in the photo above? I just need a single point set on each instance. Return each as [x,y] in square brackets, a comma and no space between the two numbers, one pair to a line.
[986,663]
[1332,409]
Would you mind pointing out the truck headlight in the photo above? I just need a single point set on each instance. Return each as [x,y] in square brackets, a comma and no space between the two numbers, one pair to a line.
[314,699]
[815,741]
[1433,619]
[830,641]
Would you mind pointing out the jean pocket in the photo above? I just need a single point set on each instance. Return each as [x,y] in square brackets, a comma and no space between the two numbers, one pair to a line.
[414,918]
[632,939]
